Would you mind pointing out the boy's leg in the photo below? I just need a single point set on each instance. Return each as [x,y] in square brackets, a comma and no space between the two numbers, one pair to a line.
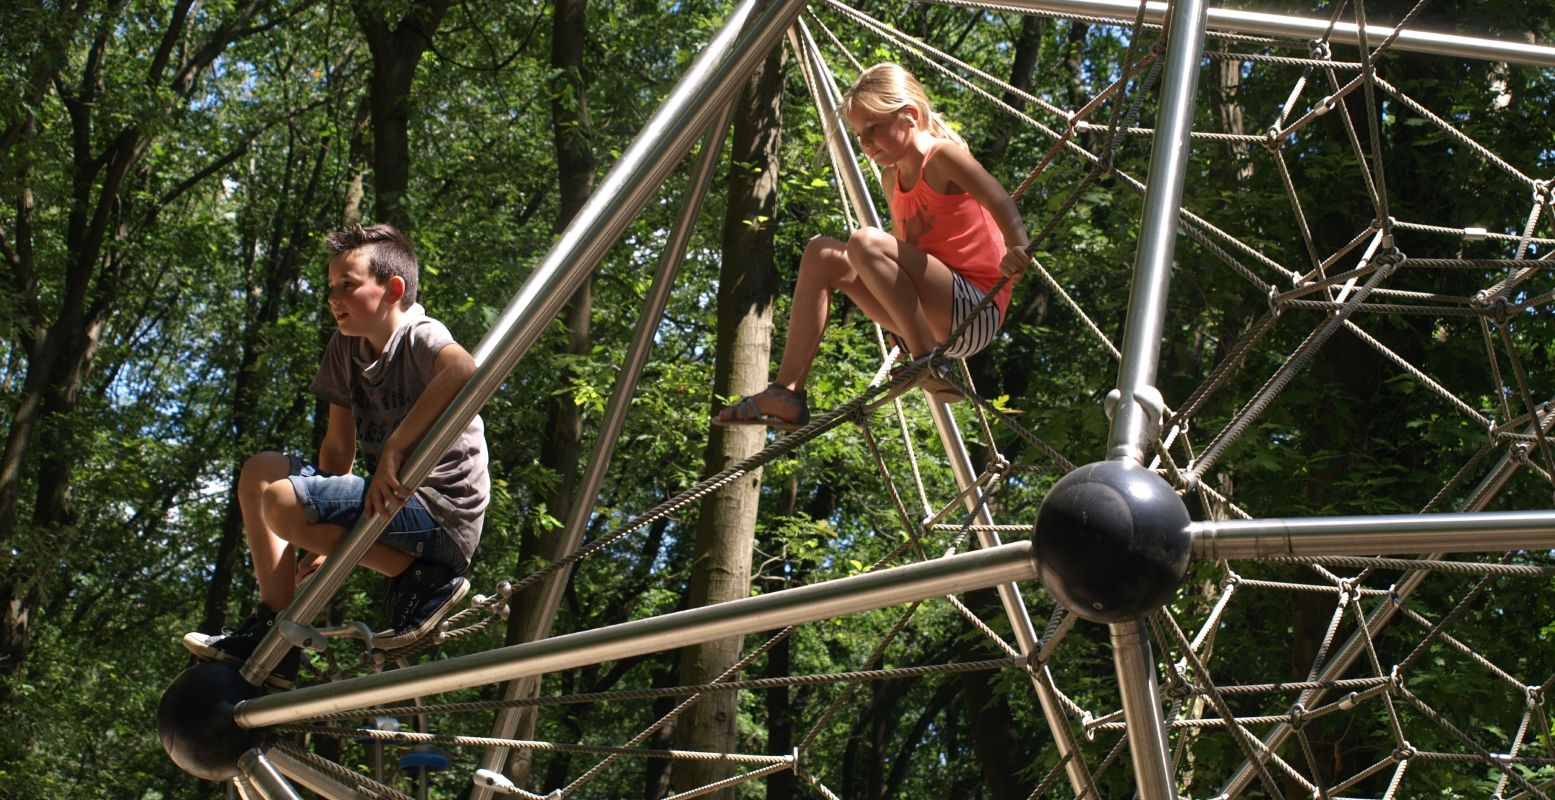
[272,555]
[285,514]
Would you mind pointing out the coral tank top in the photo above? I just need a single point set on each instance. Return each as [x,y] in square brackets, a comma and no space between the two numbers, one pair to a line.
[954,228]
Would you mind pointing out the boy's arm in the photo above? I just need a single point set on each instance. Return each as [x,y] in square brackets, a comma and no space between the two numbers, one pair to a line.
[962,169]
[453,369]
[338,450]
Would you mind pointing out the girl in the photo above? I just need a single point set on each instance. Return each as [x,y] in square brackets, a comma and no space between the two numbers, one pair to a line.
[955,232]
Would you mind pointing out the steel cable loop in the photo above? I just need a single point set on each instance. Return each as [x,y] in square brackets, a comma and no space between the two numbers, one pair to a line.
[1287,372]
[630,695]
[1051,776]
[1222,371]
[852,409]
[1419,565]
[1419,375]
[1448,128]
[1472,654]
[460,740]
[736,780]
[1284,61]
[1392,308]
[1484,756]
[1245,741]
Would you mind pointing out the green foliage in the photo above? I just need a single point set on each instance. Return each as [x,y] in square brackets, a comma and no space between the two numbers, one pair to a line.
[212,272]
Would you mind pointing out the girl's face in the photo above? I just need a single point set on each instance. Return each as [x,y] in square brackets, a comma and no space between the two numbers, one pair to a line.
[884,138]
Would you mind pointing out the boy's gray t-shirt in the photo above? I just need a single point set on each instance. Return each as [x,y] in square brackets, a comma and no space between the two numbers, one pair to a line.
[380,393]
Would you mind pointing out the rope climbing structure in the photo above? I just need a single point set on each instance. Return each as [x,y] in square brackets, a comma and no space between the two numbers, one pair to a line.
[1146,542]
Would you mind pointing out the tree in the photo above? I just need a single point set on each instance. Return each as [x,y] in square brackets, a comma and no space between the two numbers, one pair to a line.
[726,527]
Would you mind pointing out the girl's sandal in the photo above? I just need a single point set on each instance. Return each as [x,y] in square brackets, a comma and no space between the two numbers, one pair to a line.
[745,412]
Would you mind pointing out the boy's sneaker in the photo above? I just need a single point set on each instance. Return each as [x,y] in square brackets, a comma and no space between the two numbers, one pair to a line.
[417,601]
[235,646]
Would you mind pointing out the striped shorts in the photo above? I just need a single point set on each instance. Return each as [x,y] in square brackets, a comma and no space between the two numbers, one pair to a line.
[980,332]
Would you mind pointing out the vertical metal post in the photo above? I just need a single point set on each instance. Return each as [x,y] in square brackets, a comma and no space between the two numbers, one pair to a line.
[262,777]
[823,89]
[548,594]
[707,88]
[1137,413]
[1137,404]
[1135,665]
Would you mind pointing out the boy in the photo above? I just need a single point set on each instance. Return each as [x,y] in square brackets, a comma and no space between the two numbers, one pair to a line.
[388,373]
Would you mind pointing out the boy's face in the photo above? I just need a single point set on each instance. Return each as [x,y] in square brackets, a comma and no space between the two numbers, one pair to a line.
[361,304]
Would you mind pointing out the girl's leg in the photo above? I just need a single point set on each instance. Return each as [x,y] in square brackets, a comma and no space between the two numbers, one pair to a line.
[912,288]
[823,267]
[892,282]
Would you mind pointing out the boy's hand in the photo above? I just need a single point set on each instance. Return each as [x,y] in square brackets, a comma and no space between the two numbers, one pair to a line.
[386,495]
[307,565]
[1015,261]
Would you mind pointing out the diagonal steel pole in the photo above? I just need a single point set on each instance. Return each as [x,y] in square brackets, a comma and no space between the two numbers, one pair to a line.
[707,88]
[263,779]
[823,89]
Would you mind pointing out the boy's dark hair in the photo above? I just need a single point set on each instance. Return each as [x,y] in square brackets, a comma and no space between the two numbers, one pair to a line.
[388,252]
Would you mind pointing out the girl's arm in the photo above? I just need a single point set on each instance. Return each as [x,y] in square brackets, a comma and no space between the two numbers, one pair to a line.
[958,170]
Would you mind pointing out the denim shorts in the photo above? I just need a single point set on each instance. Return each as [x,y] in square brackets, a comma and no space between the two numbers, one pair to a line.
[339,499]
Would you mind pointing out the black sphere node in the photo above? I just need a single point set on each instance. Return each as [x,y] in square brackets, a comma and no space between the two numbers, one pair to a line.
[195,720]
[1111,541]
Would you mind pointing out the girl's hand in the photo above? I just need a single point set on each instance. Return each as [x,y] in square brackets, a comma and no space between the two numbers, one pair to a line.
[386,495]
[1015,261]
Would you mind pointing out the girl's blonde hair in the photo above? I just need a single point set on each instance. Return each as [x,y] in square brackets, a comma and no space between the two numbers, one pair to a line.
[887,88]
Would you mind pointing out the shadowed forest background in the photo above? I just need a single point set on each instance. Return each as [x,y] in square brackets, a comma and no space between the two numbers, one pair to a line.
[168,170]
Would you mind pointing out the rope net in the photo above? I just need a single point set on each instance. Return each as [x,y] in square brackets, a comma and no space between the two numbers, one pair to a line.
[1355,707]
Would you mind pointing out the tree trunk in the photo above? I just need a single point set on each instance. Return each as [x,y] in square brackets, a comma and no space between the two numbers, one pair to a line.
[396,52]
[726,527]
[1022,67]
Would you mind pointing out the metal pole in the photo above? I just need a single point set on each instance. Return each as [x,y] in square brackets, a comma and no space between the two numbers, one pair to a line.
[958,573]
[1136,404]
[1137,413]
[1289,25]
[1135,665]
[1353,647]
[263,778]
[548,595]
[1392,533]
[312,779]
[823,88]
[704,91]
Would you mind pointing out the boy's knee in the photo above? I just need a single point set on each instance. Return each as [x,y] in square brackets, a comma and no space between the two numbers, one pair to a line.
[266,467]
[279,502]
